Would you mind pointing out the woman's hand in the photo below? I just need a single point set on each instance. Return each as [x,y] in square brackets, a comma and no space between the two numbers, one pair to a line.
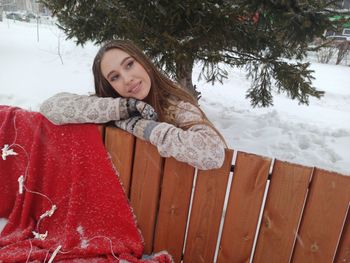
[137,126]
[130,107]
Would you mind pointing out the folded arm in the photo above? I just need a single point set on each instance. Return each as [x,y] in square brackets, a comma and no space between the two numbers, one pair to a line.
[64,108]
[199,146]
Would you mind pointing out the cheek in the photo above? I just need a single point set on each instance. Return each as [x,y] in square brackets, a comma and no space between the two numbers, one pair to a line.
[118,89]
[115,87]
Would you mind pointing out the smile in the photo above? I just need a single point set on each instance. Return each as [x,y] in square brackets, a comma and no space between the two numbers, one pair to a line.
[135,88]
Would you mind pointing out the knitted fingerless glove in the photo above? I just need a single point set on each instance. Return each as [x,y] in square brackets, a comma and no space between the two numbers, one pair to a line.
[130,107]
[138,126]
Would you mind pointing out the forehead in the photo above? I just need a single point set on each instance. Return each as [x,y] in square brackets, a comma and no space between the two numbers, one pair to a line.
[112,59]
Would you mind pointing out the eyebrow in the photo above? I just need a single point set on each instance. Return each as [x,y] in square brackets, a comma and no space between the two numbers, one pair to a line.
[121,63]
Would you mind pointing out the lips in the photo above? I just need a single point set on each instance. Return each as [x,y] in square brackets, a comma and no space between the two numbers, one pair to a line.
[135,88]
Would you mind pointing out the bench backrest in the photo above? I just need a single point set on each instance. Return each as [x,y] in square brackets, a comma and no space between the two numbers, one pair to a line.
[280,212]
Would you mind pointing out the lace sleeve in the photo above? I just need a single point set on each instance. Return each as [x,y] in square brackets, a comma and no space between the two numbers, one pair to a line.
[64,108]
[199,146]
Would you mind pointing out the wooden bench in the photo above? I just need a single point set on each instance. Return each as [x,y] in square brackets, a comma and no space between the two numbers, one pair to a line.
[287,213]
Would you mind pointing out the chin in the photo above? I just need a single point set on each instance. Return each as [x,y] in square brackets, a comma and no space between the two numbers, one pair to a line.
[142,96]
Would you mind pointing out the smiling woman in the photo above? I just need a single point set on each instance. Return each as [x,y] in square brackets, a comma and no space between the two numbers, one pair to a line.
[125,74]
[135,96]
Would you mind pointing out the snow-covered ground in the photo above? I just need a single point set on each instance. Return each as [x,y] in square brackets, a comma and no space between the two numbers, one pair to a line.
[315,135]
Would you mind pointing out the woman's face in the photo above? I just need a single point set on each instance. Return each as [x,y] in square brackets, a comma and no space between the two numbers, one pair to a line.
[125,74]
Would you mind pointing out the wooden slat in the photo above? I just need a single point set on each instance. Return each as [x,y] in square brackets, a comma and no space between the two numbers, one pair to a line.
[206,212]
[343,253]
[120,145]
[323,218]
[173,208]
[244,204]
[284,204]
[145,186]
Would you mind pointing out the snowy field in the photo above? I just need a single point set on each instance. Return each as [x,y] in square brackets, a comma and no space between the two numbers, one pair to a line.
[315,135]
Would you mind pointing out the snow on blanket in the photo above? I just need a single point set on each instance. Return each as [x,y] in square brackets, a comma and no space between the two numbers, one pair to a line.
[61,195]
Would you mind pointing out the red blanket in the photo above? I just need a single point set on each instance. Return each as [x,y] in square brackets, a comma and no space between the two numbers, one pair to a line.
[72,207]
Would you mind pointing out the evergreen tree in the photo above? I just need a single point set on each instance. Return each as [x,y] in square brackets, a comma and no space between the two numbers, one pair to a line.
[261,36]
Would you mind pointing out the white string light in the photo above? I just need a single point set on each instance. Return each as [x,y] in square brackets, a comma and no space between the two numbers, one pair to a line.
[49,213]
[30,251]
[34,192]
[54,253]
[7,151]
[110,244]
[14,125]
[20,184]
[47,253]
[87,242]
[40,236]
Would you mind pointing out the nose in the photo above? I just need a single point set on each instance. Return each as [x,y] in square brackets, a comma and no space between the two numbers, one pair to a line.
[128,79]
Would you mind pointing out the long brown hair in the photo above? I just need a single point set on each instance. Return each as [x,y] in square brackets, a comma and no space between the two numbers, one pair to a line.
[164,94]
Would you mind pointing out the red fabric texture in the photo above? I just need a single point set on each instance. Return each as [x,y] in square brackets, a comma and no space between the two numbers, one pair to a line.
[70,166]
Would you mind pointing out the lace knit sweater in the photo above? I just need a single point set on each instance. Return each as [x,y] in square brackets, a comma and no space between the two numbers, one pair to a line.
[199,146]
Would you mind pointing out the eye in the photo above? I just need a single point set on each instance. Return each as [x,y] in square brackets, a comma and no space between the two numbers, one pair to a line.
[130,63]
[115,77]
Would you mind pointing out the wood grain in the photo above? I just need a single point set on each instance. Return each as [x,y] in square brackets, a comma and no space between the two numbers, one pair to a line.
[120,146]
[145,187]
[174,207]
[323,218]
[283,208]
[245,200]
[343,251]
[206,212]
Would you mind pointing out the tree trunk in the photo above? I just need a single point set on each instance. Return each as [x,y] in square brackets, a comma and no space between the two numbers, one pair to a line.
[184,76]
[342,50]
